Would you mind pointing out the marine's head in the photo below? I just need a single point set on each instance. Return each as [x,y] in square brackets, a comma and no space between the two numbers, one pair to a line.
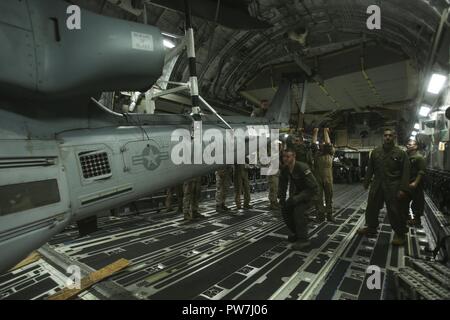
[289,157]
[412,145]
[389,136]
[298,139]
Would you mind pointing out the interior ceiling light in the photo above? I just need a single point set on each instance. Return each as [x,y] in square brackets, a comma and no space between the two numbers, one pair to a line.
[168,44]
[436,83]
[424,111]
[414,133]
[417,126]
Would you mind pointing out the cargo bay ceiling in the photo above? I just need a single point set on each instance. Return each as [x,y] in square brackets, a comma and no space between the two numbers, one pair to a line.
[245,48]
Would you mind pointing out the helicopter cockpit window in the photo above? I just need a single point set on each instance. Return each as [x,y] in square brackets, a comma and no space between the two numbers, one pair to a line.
[24,196]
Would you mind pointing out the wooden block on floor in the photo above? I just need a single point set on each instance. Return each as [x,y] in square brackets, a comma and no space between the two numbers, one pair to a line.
[33,257]
[91,279]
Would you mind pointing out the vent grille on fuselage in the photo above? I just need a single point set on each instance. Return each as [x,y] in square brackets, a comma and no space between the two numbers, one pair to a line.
[94,164]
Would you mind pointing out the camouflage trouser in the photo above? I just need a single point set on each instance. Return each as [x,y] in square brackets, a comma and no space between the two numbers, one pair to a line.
[273,188]
[296,219]
[191,197]
[325,189]
[223,177]
[179,194]
[241,184]
[395,209]
[417,202]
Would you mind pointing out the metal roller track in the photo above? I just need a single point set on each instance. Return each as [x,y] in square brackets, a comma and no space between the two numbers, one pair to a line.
[241,255]
[167,226]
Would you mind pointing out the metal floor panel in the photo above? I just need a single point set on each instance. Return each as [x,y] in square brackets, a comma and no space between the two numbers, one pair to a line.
[240,255]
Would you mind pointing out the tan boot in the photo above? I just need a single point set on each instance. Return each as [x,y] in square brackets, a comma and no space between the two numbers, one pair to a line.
[330,217]
[320,217]
[366,231]
[274,206]
[301,244]
[399,240]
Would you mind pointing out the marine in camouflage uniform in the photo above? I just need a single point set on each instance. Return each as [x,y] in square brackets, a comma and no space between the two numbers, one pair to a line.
[223,182]
[323,171]
[302,189]
[241,186]
[178,190]
[191,199]
[417,173]
[389,167]
[273,181]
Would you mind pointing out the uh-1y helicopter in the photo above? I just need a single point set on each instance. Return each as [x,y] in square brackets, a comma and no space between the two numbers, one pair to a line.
[63,155]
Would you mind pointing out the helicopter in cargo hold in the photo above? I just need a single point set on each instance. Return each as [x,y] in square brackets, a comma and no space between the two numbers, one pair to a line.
[64,156]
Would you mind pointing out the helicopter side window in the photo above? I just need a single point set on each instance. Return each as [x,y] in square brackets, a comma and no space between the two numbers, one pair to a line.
[24,196]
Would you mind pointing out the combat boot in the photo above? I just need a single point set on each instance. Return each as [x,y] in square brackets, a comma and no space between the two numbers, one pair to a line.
[330,217]
[197,216]
[368,232]
[418,223]
[168,206]
[415,222]
[292,238]
[238,206]
[274,206]
[248,206]
[399,240]
[301,244]
[222,208]
[320,217]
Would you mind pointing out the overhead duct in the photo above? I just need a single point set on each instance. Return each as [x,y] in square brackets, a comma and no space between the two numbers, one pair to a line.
[127,5]
[280,106]
[233,14]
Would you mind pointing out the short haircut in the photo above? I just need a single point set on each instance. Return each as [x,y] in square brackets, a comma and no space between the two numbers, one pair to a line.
[389,129]
[290,150]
